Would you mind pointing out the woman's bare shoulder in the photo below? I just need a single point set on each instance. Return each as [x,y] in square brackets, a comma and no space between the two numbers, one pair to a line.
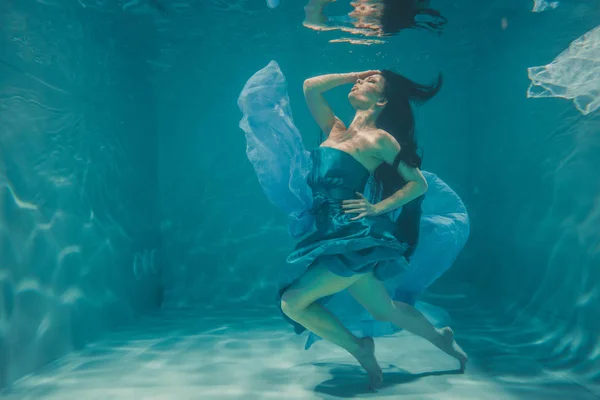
[387,146]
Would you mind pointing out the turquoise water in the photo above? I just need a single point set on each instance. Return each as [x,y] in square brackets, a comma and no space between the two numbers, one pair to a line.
[138,254]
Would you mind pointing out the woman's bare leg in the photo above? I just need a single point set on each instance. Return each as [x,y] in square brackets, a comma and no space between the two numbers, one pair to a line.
[299,303]
[372,294]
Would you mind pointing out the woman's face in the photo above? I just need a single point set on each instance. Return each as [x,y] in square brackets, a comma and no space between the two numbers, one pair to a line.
[367,9]
[367,92]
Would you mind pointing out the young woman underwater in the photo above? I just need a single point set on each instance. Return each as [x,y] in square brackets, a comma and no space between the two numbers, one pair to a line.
[357,201]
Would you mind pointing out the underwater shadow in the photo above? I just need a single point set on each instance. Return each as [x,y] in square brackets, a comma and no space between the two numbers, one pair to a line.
[350,381]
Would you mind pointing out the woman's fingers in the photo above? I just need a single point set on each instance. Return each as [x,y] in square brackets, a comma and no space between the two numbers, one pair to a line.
[356,210]
[365,74]
[358,216]
[351,202]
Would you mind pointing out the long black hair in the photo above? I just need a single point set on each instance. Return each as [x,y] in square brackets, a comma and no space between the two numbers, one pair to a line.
[398,120]
[402,14]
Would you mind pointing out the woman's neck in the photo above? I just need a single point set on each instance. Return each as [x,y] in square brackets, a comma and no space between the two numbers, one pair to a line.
[364,120]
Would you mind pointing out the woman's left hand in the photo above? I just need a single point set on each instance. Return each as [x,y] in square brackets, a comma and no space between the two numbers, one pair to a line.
[360,206]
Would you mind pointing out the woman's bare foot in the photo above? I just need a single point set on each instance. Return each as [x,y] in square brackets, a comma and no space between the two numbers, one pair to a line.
[366,357]
[452,348]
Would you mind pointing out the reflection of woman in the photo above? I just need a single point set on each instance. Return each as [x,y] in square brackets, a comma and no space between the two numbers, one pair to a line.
[376,17]
[355,243]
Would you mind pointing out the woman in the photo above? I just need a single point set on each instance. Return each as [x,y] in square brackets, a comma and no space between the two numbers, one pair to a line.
[355,241]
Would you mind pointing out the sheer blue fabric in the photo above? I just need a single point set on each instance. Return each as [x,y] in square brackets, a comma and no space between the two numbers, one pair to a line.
[309,186]
[275,148]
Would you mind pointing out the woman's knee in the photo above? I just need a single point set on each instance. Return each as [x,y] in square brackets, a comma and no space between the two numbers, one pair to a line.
[291,302]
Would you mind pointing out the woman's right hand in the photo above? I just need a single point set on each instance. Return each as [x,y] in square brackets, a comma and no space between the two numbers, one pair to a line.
[366,74]
[318,106]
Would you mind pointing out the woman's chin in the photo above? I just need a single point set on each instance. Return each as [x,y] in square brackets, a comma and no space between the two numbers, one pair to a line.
[353,95]
[354,100]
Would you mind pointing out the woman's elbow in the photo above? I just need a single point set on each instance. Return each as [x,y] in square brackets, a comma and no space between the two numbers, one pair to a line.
[424,186]
[308,84]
